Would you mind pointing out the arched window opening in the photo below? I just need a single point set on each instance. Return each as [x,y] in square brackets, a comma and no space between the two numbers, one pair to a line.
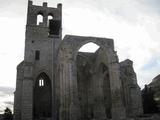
[89,47]
[50,17]
[103,68]
[42,97]
[39,19]
[41,82]
[53,25]
[106,90]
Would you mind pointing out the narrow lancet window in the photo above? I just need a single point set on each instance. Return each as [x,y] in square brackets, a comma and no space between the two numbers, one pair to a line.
[41,82]
[37,55]
[39,19]
[50,17]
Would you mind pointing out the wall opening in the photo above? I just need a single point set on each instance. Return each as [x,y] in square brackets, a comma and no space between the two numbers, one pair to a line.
[42,93]
[54,27]
[37,55]
[89,47]
[106,90]
[50,17]
[41,82]
[39,19]
[93,83]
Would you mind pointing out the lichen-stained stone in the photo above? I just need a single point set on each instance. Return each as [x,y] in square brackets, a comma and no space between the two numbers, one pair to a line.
[131,90]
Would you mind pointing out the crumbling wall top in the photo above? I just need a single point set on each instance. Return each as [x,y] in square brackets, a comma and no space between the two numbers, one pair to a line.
[44,4]
[44,11]
[77,40]
[126,62]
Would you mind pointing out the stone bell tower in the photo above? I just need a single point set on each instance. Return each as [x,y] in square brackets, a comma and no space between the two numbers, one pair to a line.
[35,85]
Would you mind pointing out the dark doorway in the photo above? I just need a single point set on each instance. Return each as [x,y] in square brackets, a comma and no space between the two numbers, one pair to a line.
[42,97]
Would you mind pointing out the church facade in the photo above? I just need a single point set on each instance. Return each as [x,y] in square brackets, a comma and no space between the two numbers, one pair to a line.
[57,82]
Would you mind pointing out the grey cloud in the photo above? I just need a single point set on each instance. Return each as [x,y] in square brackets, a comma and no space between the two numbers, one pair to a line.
[9,103]
[126,9]
[153,5]
[115,6]
[13,8]
[1,111]
[129,10]
[2,94]
[6,90]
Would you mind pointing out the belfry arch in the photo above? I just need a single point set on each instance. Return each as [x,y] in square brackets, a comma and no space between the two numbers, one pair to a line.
[42,97]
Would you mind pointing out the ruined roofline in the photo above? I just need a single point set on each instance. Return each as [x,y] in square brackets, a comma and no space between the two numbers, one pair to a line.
[44,4]
[126,62]
[87,37]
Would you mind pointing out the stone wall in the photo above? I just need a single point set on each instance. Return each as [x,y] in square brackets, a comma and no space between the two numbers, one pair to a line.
[131,90]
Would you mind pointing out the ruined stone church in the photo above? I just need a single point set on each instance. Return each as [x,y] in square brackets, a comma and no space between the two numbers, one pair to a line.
[57,82]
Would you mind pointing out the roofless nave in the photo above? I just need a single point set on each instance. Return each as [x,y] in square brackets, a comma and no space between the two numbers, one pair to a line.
[57,82]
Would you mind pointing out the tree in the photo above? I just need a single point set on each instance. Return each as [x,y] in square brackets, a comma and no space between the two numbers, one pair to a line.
[149,104]
[7,114]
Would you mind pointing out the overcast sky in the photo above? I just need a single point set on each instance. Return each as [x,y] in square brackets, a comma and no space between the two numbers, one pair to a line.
[133,24]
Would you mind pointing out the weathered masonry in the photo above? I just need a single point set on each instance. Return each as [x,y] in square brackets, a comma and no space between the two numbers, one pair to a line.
[57,82]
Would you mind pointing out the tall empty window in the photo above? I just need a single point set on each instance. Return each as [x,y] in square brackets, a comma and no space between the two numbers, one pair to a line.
[39,19]
[54,27]
[42,98]
[37,55]
[50,17]
[41,82]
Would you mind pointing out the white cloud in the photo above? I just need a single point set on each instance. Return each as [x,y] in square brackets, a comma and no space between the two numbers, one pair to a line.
[11,48]
[6,98]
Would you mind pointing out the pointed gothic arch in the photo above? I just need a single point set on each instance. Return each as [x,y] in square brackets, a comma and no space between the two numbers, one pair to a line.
[89,47]
[68,64]
[42,97]
[39,18]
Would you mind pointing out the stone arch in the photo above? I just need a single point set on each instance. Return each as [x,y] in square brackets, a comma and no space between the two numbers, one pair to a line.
[49,17]
[37,73]
[40,18]
[92,41]
[71,45]
[42,97]
[40,12]
[51,14]
[67,56]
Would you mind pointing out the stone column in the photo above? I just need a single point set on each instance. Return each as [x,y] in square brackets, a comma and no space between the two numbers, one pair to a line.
[118,109]
[74,109]
[18,93]
[68,91]
[27,93]
[64,90]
